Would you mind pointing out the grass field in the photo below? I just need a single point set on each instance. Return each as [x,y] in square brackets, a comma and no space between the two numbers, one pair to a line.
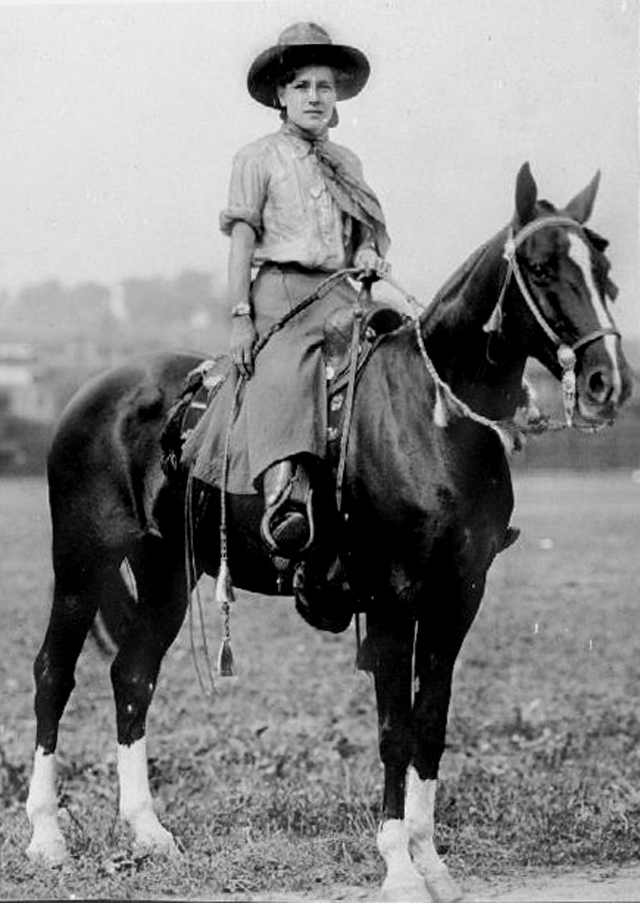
[274,784]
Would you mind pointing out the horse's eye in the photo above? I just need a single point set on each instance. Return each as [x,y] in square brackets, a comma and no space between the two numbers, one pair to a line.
[539,271]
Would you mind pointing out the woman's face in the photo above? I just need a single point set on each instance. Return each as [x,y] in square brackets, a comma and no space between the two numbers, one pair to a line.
[309,98]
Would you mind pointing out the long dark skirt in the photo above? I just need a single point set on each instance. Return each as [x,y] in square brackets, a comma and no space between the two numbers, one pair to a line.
[283,408]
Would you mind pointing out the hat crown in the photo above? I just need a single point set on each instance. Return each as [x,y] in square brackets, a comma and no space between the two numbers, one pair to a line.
[301,33]
[305,44]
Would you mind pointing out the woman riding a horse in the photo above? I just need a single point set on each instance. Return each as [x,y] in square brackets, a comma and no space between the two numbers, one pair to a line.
[298,210]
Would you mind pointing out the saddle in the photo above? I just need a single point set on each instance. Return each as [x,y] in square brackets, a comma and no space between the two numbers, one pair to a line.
[378,321]
[202,384]
[200,388]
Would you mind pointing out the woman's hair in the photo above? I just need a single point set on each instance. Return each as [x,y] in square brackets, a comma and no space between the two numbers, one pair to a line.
[288,75]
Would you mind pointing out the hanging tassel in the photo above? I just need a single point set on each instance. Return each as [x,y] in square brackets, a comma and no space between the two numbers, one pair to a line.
[224,586]
[447,406]
[226,666]
[494,323]
[440,416]
[224,596]
[569,395]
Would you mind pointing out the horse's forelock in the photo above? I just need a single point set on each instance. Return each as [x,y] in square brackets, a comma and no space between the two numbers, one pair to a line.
[599,242]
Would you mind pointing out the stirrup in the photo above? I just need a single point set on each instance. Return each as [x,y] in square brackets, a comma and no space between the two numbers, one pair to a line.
[288,533]
[285,516]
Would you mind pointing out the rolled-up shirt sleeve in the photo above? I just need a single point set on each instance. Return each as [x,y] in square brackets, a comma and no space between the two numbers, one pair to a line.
[247,193]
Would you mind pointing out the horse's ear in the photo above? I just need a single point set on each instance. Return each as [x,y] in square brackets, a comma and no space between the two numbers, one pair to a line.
[526,196]
[582,204]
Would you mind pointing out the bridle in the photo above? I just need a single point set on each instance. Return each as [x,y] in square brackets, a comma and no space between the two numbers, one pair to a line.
[565,354]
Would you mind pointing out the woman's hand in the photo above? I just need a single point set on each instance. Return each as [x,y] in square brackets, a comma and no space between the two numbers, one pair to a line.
[243,338]
[367,259]
[243,332]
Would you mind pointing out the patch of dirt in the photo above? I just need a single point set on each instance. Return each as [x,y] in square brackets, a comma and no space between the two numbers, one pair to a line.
[589,885]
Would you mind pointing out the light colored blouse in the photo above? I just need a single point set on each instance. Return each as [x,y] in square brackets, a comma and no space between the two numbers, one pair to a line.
[277,187]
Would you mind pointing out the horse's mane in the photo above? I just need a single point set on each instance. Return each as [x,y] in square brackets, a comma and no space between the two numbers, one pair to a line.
[451,291]
[451,288]
[447,300]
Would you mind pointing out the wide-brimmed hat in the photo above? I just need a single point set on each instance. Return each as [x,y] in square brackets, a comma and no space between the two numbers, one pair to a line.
[306,44]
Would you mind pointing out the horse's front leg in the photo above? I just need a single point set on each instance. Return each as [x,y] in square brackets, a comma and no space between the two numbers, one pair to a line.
[420,825]
[434,671]
[162,600]
[390,652]
[437,646]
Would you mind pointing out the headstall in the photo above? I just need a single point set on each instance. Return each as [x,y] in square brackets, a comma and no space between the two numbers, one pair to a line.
[565,354]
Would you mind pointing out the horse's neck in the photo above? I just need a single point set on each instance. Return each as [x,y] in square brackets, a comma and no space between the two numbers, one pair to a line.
[459,346]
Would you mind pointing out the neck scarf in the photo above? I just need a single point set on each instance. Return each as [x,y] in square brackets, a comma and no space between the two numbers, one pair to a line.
[346,186]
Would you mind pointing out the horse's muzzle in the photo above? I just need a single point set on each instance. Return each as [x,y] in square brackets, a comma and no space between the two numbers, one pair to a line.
[602,390]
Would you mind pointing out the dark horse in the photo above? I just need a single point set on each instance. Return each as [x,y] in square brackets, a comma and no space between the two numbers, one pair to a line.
[427,502]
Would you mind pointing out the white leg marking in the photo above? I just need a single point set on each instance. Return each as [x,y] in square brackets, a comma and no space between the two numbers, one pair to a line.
[403,883]
[47,843]
[136,805]
[579,253]
[419,820]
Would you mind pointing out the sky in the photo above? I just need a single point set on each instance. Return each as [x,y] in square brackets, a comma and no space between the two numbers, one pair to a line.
[119,122]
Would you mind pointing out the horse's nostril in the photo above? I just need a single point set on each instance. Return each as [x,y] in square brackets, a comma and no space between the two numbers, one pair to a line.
[599,386]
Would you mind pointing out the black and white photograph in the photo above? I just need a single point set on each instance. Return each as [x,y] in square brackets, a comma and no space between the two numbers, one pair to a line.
[320,451]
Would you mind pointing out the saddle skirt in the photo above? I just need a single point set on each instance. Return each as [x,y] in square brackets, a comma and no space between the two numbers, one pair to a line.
[203,384]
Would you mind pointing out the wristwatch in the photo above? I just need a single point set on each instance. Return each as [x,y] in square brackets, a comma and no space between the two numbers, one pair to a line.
[242,309]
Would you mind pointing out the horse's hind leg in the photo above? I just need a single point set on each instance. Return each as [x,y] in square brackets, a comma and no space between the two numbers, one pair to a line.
[162,601]
[75,601]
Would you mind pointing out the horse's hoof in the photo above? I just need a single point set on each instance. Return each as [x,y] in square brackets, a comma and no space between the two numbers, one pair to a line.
[442,887]
[51,853]
[413,892]
[149,837]
[158,844]
[166,850]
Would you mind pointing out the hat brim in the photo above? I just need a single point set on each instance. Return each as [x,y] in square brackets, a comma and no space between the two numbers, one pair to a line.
[350,65]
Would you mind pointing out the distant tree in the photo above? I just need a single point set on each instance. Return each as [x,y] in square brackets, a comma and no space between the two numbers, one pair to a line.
[5,403]
[149,301]
[86,306]
[193,291]
[36,311]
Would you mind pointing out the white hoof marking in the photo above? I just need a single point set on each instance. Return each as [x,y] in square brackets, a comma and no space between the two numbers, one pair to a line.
[136,805]
[47,845]
[150,837]
[419,819]
[442,886]
[403,883]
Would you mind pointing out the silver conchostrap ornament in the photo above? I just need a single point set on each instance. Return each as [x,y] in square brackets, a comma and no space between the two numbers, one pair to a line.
[567,360]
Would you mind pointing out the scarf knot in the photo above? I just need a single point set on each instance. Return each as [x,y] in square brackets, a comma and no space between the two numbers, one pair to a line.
[347,187]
